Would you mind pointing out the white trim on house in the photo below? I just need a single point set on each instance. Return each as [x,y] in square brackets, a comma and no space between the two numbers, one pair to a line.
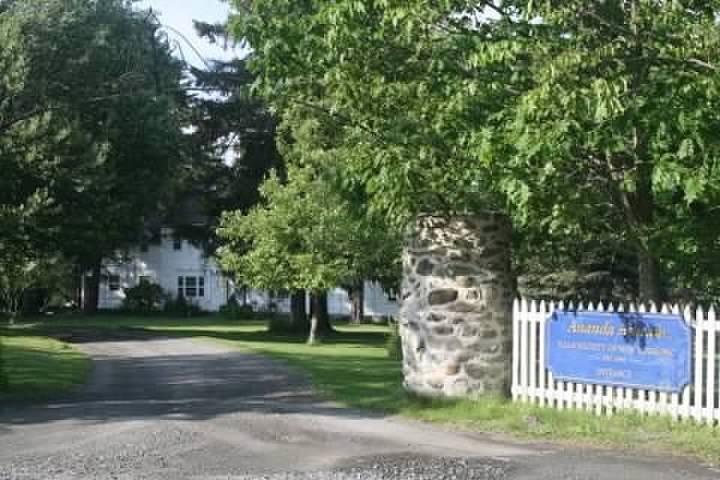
[163,263]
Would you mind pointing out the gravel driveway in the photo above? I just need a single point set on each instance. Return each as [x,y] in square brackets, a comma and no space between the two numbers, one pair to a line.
[183,409]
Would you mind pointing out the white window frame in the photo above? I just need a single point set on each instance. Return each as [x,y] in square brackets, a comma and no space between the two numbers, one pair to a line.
[191,286]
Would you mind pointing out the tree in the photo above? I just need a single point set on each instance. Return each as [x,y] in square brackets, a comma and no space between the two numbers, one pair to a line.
[571,117]
[620,121]
[234,145]
[306,235]
[21,271]
[3,374]
[90,104]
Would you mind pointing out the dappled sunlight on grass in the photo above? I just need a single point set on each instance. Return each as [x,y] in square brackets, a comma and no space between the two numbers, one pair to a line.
[37,366]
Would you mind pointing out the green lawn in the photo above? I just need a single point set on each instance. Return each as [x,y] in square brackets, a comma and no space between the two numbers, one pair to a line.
[353,369]
[37,367]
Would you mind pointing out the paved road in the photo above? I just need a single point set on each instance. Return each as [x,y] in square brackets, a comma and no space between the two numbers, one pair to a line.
[180,409]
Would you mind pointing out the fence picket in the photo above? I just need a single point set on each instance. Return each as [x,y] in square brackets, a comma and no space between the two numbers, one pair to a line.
[524,361]
[711,356]
[654,406]
[517,318]
[640,396]
[663,397]
[534,383]
[697,383]
[685,411]
[582,391]
[542,320]
[598,391]
[533,364]
[561,388]
[614,393]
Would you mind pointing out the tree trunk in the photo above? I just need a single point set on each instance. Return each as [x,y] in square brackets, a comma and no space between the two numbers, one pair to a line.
[92,289]
[320,321]
[13,304]
[357,303]
[640,209]
[298,312]
[649,289]
[3,374]
[78,287]
[649,281]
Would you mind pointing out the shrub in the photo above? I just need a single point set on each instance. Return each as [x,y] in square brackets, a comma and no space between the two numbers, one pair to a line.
[393,341]
[233,311]
[182,307]
[146,297]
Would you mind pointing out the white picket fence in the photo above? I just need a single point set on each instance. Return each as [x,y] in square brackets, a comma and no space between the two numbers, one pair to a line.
[533,383]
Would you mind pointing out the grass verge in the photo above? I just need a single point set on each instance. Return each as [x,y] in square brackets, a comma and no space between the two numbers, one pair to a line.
[359,374]
[36,367]
[354,369]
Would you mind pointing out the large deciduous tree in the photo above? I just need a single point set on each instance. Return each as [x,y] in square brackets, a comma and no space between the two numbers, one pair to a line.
[306,236]
[90,126]
[619,127]
[573,117]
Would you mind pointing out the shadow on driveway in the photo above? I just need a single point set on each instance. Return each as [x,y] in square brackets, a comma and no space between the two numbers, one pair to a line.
[139,375]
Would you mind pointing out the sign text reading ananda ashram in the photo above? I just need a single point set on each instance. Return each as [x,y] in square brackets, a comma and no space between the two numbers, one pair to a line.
[636,350]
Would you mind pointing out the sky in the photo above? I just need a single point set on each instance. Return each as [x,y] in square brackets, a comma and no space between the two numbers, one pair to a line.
[179,14]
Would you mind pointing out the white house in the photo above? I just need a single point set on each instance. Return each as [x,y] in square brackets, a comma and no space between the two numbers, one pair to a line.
[181,268]
[173,263]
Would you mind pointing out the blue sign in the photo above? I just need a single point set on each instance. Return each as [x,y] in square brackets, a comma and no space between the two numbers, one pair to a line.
[638,350]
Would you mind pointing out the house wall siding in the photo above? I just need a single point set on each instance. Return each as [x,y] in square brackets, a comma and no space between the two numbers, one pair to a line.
[162,264]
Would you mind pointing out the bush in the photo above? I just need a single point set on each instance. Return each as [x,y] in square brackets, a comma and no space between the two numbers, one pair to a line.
[393,342]
[233,311]
[182,307]
[146,297]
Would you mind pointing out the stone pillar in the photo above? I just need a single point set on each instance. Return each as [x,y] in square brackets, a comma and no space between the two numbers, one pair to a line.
[456,314]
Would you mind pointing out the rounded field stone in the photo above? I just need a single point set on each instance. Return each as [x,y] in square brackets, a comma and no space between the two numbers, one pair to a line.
[462,301]
[442,296]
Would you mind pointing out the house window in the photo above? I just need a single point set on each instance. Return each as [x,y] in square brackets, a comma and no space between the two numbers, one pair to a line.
[177,243]
[144,279]
[114,283]
[392,295]
[191,287]
[144,247]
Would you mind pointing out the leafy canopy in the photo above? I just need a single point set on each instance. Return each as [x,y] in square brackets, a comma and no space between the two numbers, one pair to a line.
[576,118]
[305,235]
